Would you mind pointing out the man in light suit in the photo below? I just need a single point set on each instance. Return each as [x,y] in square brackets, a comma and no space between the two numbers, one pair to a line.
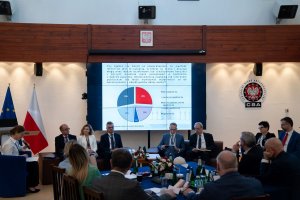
[62,139]
[172,143]
[201,145]
[290,138]
[109,141]
[230,185]
[116,187]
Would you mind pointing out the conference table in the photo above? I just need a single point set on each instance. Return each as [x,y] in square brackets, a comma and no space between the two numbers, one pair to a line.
[148,183]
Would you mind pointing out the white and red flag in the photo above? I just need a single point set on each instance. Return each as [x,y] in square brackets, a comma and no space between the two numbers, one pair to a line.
[33,123]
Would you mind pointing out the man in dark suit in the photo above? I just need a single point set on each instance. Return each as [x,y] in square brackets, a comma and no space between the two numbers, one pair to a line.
[281,170]
[109,141]
[290,138]
[230,185]
[249,163]
[201,145]
[264,134]
[62,139]
[172,143]
[116,187]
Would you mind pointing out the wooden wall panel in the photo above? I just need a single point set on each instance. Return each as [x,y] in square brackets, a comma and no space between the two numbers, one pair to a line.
[253,44]
[164,37]
[43,42]
[71,43]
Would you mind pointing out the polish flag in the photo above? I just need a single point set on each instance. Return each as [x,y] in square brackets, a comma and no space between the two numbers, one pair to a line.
[33,123]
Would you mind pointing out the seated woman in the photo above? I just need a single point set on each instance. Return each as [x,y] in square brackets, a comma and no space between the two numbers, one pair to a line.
[87,139]
[12,147]
[65,164]
[81,169]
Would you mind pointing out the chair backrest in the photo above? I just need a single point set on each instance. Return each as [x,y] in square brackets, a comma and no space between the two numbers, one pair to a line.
[70,189]
[57,175]
[261,197]
[90,194]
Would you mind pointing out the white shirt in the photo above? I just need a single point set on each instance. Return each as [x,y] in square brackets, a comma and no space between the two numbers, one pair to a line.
[10,147]
[92,139]
[203,143]
[172,141]
[111,136]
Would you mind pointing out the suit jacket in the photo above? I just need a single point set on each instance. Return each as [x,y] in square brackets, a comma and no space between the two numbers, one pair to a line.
[179,141]
[60,144]
[230,185]
[268,135]
[250,162]
[294,143]
[282,171]
[116,187]
[104,147]
[209,141]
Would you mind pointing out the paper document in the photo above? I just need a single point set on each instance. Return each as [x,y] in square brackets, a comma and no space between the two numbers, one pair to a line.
[153,156]
[32,159]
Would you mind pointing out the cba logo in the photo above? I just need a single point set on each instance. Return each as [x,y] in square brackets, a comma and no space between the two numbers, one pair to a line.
[252,93]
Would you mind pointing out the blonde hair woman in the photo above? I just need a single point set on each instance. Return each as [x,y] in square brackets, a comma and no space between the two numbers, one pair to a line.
[66,162]
[88,140]
[81,169]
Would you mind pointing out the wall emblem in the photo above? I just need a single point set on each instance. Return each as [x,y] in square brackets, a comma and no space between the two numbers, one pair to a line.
[252,93]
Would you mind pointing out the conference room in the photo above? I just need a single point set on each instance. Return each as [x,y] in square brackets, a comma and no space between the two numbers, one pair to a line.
[64,52]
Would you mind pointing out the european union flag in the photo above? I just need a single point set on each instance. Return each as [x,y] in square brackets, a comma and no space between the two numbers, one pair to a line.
[8,116]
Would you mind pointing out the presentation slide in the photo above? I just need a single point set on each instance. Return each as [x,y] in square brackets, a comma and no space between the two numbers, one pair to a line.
[147,96]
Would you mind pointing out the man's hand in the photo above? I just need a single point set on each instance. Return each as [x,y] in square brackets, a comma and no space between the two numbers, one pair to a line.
[187,191]
[267,155]
[236,147]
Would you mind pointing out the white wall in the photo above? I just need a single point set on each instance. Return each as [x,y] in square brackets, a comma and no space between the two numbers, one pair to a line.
[59,94]
[168,12]
[58,91]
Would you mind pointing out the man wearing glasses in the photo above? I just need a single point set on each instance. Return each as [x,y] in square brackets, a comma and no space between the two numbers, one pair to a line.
[109,141]
[264,134]
[201,144]
[172,143]
[62,139]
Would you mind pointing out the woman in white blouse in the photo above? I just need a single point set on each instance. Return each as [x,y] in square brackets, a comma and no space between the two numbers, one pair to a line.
[88,140]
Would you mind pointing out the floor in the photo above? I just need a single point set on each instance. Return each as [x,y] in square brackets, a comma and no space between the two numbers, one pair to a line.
[45,194]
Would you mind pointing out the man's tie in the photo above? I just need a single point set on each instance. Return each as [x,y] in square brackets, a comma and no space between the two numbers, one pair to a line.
[285,138]
[172,140]
[198,144]
[112,142]
[66,139]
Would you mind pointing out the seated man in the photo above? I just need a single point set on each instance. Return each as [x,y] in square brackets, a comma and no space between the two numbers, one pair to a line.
[230,185]
[249,163]
[201,144]
[116,186]
[109,141]
[62,139]
[171,144]
[289,137]
[280,169]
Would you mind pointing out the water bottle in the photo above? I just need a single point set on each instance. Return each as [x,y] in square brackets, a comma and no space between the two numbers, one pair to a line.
[187,176]
[198,183]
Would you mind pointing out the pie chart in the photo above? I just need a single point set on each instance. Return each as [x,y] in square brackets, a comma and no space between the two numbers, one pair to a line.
[134,104]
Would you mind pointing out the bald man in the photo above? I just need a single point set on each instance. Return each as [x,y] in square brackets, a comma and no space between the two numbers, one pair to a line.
[279,168]
[231,184]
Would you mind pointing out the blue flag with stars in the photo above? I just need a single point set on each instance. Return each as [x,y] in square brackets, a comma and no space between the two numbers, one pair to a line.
[8,116]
